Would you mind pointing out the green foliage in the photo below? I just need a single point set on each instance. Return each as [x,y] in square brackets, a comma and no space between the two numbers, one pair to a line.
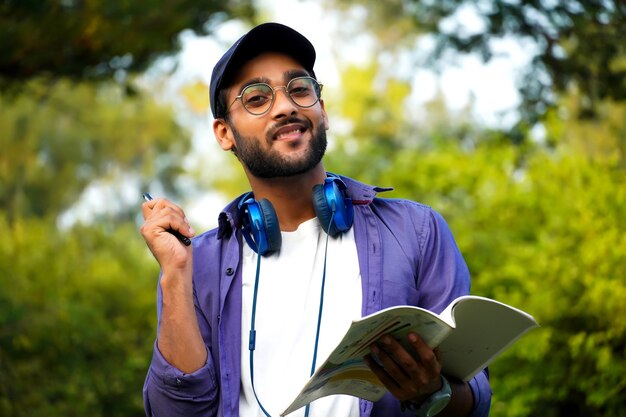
[95,39]
[579,42]
[77,320]
[375,114]
[77,306]
[77,316]
[542,228]
[58,138]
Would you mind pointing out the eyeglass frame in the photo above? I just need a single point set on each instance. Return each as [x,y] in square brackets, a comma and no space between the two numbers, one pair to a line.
[239,97]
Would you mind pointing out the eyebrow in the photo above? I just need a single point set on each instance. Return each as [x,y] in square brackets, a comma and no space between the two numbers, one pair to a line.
[254,81]
[291,74]
[287,76]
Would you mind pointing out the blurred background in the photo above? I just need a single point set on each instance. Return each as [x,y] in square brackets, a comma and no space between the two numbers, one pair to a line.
[507,116]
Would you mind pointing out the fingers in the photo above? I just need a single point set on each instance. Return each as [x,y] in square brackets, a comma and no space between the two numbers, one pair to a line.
[164,215]
[407,373]
[160,205]
[397,363]
[427,356]
[164,229]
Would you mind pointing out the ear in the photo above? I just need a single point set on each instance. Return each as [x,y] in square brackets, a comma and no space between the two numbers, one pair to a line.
[223,134]
[324,115]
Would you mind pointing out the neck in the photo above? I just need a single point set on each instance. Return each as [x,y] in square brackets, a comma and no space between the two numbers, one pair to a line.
[292,197]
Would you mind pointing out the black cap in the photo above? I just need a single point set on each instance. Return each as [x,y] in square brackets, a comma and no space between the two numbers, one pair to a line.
[267,37]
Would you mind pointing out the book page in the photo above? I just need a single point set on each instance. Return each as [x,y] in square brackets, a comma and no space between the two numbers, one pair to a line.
[470,334]
[484,328]
[345,372]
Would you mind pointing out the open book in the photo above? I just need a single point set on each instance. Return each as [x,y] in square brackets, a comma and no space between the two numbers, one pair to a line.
[470,333]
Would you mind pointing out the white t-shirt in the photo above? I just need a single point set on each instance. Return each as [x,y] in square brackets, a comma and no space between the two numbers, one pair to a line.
[287,311]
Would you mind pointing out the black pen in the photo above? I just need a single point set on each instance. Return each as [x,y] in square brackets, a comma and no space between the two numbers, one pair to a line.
[186,241]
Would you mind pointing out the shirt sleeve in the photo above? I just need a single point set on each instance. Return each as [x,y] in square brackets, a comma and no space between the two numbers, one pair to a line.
[443,276]
[169,392]
[482,394]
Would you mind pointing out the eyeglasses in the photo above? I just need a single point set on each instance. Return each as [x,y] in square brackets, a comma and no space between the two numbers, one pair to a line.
[257,99]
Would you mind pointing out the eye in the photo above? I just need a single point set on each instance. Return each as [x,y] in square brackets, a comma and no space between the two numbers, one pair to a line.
[300,87]
[256,95]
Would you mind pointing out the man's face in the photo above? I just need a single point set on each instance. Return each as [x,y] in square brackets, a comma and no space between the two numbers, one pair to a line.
[288,139]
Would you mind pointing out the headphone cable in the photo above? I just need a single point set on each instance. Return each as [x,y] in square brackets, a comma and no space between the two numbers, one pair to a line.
[252,339]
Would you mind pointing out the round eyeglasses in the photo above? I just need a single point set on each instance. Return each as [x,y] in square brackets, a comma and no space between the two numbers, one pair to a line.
[258,98]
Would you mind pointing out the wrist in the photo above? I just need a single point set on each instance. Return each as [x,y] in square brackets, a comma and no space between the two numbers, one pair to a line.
[418,400]
[175,278]
[431,404]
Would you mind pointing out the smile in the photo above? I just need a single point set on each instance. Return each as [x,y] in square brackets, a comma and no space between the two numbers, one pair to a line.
[284,135]
[292,131]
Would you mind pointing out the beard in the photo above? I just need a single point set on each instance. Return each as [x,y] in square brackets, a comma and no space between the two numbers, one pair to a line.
[272,164]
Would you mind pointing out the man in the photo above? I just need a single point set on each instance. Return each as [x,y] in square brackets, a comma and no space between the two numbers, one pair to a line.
[269,278]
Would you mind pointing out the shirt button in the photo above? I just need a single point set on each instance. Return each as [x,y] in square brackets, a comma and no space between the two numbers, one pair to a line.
[230,271]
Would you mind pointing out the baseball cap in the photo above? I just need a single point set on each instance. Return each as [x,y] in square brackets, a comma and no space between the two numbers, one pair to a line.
[267,37]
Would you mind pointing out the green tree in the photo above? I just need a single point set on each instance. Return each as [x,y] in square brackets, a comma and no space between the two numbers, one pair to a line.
[60,137]
[375,117]
[579,43]
[77,318]
[95,39]
[77,305]
[541,228]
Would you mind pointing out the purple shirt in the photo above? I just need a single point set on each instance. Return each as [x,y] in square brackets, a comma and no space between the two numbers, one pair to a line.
[407,256]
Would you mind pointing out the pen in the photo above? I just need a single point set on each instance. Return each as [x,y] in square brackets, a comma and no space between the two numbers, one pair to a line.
[186,241]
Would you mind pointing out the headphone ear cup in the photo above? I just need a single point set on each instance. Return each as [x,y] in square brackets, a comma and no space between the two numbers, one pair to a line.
[272,228]
[260,225]
[322,211]
[328,195]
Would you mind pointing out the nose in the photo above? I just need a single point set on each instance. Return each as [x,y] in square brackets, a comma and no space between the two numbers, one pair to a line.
[283,105]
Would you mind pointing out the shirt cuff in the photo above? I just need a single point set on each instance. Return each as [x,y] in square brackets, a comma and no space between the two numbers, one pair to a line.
[200,383]
[482,394]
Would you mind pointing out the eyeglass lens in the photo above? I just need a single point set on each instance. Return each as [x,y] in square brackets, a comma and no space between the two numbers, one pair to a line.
[258,98]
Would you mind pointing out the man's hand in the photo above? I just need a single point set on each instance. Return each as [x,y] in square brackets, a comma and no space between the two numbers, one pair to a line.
[161,215]
[407,378]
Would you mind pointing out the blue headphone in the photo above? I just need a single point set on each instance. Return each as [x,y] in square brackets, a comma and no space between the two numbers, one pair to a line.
[260,225]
